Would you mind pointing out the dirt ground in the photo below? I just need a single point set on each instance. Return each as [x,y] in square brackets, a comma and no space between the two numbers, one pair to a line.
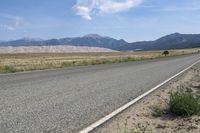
[140,117]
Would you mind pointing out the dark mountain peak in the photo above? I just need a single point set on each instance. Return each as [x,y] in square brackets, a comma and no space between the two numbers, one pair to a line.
[171,37]
[176,33]
[93,36]
[180,36]
[122,40]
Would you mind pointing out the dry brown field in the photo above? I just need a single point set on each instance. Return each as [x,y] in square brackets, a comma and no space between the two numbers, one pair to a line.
[41,61]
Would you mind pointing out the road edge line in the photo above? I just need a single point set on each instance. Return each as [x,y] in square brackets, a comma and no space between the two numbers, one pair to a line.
[124,107]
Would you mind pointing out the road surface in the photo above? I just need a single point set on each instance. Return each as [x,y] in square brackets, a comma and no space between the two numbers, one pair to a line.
[68,100]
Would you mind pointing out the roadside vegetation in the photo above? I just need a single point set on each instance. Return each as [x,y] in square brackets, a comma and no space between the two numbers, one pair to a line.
[184,104]
[10,63]
[7,69]
[181,103]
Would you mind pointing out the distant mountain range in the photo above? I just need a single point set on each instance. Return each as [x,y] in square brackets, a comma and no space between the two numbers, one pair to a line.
[172,41]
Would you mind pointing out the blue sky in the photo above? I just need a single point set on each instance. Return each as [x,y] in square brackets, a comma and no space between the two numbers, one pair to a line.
[132,20]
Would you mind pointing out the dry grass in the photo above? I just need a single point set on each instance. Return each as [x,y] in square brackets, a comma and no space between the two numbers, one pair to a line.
[26,62]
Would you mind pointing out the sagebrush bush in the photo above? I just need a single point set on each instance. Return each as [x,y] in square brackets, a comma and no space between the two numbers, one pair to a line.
[184,103]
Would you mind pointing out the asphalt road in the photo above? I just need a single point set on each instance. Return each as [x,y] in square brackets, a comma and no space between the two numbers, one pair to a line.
[68,100]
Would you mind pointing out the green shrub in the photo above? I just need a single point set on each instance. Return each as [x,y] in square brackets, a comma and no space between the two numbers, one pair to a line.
[184,104]
[9,69]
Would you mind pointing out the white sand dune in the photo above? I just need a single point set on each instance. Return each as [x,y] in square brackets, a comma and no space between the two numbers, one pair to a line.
[52,49]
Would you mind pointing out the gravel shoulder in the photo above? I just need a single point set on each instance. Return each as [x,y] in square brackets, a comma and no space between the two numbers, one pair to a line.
[140,116]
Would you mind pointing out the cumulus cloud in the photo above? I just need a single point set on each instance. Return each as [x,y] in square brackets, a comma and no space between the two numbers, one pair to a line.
[84,12]
[86,8]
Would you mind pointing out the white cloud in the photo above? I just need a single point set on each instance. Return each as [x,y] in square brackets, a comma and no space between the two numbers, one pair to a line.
[11,22]
[86,8]
[84,12]
[7,27]
[10,28]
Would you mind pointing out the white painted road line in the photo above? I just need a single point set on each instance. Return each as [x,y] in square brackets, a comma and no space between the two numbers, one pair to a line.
[119,110]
